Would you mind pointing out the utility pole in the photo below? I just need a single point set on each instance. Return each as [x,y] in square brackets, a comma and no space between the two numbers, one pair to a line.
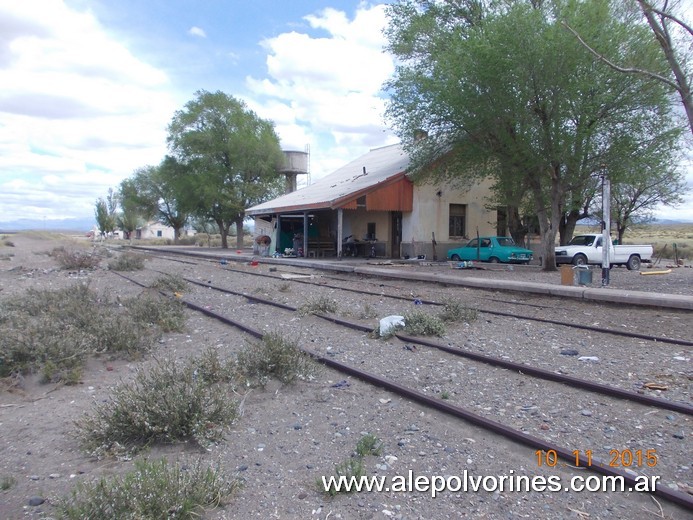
[606,229]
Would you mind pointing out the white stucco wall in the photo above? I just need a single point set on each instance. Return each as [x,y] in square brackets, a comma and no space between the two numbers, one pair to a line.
[431,212]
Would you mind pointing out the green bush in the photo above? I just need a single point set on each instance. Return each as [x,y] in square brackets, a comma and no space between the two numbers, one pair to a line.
[419,323]
[154,490]
[350,468]
[274,357]
[167,403]
[170,283]
[369,444]
[320,305]
[154,309]
[127,262]
[7,482]
[456,311]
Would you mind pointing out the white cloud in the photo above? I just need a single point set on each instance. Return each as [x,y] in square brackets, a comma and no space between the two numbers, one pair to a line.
[196,31]
[328,85]
[78,111]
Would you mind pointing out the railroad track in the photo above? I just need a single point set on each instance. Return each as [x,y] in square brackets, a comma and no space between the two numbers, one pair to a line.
[422,397]
[485,310]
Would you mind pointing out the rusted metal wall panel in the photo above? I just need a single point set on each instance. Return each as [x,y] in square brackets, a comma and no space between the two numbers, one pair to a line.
[397,196]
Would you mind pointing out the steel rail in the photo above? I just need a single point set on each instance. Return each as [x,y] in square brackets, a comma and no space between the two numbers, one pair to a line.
[597,465]
[483,358]
[614,332]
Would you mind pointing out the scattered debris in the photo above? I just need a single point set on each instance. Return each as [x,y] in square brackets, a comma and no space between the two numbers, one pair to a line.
[292,276]
[655,386]
[666,271]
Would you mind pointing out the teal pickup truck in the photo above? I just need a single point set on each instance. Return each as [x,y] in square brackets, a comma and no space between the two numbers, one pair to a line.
[491,249]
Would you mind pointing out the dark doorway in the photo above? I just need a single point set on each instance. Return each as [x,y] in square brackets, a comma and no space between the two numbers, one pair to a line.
[396,238]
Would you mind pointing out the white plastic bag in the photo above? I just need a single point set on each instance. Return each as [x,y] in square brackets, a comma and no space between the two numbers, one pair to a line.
[390,323]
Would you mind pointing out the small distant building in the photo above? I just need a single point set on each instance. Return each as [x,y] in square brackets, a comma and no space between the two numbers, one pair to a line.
[370,207]
[155,229]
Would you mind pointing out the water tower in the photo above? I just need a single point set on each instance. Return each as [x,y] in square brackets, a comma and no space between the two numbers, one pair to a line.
[295,164]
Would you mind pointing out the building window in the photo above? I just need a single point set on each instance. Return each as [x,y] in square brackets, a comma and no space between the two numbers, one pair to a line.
[159,233]
[458,214]
[371,231]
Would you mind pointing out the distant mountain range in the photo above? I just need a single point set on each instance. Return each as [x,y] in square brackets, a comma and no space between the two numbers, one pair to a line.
[68,224]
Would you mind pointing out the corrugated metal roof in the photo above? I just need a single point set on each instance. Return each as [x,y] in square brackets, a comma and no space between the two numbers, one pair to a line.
[382,165]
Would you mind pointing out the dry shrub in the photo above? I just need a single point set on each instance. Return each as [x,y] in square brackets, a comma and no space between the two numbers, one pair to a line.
[155,489]
[274,357]
[167,403]
[320,305]
[53,332]
[68,259]
[154,309]
[127,262]
[419,323]
[456,311]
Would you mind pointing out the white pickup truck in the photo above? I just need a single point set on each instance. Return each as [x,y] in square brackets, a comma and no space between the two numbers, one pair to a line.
[587,249]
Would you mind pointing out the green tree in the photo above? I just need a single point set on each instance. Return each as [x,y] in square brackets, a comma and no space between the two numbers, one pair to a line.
[504,91]
[231,155]
[674,36]
[128,220]
[105,212]
[156,193]
[649,178]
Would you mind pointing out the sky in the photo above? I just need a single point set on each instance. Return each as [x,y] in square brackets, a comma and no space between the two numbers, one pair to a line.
[90,86]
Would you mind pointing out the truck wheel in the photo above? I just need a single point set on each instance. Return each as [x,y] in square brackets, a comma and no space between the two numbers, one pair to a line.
[579,259]
[633,263]
[493,260]
[455,258]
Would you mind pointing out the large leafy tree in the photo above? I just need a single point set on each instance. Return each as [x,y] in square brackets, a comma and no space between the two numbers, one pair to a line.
[158,192]
[675,37]
[231,155]
[503,90]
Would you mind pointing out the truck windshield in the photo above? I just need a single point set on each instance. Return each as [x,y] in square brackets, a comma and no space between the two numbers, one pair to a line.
[582,240]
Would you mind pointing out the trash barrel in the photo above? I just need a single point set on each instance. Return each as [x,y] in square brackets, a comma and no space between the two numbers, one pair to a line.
[567,275]
[584,275]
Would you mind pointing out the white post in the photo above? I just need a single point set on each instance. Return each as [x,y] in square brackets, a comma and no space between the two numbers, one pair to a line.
[340,232]
[606,229]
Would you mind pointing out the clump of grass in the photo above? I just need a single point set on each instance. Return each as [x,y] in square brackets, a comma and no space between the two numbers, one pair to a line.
[456,311]
[419,323]
[170,283]
[274,357]
[367,312]
[7,482]
[8,243]
[155,489]
[445,395]
[75,259]
[154,309]
[168,403]
[127,262]
[210,367]
[353,467]
[369,444]
[53,332]
[320,305]
[284,287]
[349,469]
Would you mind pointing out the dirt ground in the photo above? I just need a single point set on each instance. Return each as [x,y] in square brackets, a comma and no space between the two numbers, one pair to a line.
[288,436]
